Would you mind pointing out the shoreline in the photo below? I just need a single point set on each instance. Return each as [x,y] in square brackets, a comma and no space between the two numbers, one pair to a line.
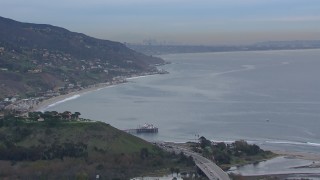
[284,176]
[298,155]
[62,98]
[95,87]
[312,157]
[43,105]
[308,169]
[288,154]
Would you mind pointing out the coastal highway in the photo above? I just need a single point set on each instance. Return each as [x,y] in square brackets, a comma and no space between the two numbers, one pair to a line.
[210,169]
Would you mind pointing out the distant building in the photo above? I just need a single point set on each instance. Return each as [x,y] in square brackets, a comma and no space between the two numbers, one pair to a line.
[35,71]
[13,99]
[40,119]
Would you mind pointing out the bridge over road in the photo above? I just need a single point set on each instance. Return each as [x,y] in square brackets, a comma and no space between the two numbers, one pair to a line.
[210,169]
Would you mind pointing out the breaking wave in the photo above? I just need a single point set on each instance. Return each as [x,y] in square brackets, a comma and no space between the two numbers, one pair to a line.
[294,143]
[62,101]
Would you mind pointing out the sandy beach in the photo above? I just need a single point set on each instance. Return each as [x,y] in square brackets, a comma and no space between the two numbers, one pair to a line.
[62,98]
[298,155]
[288,165]
[46,103]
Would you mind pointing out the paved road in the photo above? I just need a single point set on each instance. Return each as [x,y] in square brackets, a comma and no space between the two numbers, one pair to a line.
[210,169]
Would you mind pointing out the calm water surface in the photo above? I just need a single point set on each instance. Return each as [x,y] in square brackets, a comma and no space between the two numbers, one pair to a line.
[271,98]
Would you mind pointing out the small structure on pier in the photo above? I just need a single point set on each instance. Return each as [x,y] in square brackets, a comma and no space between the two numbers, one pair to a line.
[146,128]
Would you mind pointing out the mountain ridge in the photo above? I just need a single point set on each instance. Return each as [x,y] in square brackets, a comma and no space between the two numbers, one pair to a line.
[41,57]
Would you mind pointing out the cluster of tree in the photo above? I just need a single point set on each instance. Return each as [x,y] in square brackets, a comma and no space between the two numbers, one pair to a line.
[204,142]
[188,160]
[223,153]
[174,170]
[11,121]
[9,151]
[49,115]
[65,150]
[243,148]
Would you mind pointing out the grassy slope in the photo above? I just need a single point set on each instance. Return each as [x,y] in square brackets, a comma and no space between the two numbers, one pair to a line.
[111,153]
[94,134]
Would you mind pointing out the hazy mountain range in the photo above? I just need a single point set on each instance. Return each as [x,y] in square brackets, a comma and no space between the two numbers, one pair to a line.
[156,49]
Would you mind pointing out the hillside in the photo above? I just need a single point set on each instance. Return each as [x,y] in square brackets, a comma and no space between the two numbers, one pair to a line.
[37,57]
[63,148]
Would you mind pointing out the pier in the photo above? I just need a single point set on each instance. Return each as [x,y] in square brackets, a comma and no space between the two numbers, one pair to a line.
[146,128]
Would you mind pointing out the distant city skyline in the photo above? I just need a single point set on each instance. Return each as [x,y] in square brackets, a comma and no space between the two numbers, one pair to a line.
[202,22]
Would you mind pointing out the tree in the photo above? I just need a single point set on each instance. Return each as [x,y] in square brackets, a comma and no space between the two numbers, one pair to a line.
[221,145]
[47,115]
[190,161]
[77,114]
[253,150]
[144,153]
[172,170]
[243,146]
[222,158]
[34,115]
[177,170]
[207,152]
[204,142]
[66,115]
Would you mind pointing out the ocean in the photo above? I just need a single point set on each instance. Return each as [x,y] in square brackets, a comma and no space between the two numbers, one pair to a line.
[271,98]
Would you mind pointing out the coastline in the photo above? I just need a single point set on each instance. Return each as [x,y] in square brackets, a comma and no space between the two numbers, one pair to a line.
[61,98]
[75,94]
[305,166]
[285,176]
[298,155]
[291,165]
[304,163]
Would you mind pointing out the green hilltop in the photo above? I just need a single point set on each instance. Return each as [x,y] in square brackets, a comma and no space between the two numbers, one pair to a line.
[55,147]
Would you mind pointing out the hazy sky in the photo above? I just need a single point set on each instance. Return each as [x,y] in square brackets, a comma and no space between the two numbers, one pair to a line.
[176,21]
